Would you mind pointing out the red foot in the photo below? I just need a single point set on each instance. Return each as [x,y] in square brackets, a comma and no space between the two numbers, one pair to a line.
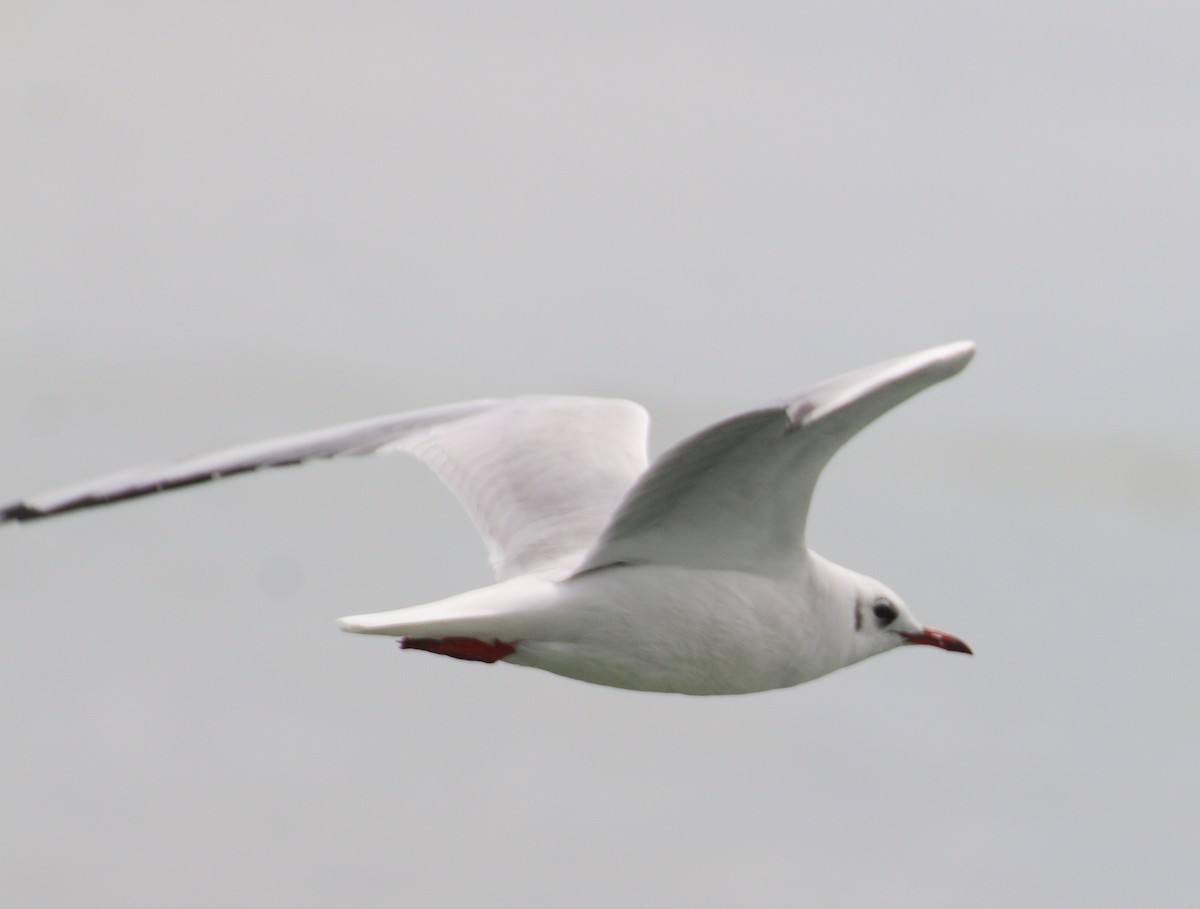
[461,648]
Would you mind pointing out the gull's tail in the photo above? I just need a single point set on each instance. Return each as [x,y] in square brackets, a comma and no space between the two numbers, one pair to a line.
[510,610]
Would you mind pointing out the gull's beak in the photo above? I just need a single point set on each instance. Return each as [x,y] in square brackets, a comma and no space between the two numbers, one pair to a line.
[935,638]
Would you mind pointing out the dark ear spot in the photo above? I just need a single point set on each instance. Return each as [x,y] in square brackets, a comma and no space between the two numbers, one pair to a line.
[858,616]
[885,612]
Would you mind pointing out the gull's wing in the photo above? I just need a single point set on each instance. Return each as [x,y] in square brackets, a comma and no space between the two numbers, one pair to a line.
[736,495]
[540,476]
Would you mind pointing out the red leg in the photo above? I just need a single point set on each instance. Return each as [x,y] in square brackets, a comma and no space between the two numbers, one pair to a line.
[461,648]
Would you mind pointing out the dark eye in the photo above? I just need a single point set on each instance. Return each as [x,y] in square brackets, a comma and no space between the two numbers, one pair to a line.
[885,612]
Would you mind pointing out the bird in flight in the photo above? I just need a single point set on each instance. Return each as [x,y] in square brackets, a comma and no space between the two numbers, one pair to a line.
[688,575]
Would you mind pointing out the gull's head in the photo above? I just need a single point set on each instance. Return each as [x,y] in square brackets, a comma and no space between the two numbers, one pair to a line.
[882,621]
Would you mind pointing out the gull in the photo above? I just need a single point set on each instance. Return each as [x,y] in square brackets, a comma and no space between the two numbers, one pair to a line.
[690,575]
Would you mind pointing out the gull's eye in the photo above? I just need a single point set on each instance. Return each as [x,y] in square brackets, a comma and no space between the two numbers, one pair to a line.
[885,612]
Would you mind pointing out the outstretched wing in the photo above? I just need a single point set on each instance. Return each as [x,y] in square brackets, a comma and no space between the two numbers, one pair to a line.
[540,476]
[736,495]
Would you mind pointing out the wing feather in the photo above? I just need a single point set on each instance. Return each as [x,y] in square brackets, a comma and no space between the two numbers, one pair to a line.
[539,476]
[736,495]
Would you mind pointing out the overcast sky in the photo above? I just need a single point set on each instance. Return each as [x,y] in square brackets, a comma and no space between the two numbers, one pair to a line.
[224,221]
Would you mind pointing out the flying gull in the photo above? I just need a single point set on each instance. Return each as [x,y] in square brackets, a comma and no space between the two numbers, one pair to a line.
[689,575]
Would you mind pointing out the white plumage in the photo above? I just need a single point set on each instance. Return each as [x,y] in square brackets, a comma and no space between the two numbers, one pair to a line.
[691,576]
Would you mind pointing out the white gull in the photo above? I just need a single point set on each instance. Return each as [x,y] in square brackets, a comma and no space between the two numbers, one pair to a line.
[691,575]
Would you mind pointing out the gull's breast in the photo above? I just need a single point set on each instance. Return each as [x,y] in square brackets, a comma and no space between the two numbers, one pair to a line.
[674,629]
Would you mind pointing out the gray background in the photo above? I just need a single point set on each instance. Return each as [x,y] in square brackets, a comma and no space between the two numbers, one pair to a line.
[227,221]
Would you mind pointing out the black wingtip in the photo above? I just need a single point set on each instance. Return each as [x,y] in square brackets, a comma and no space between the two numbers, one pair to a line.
[19,511]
